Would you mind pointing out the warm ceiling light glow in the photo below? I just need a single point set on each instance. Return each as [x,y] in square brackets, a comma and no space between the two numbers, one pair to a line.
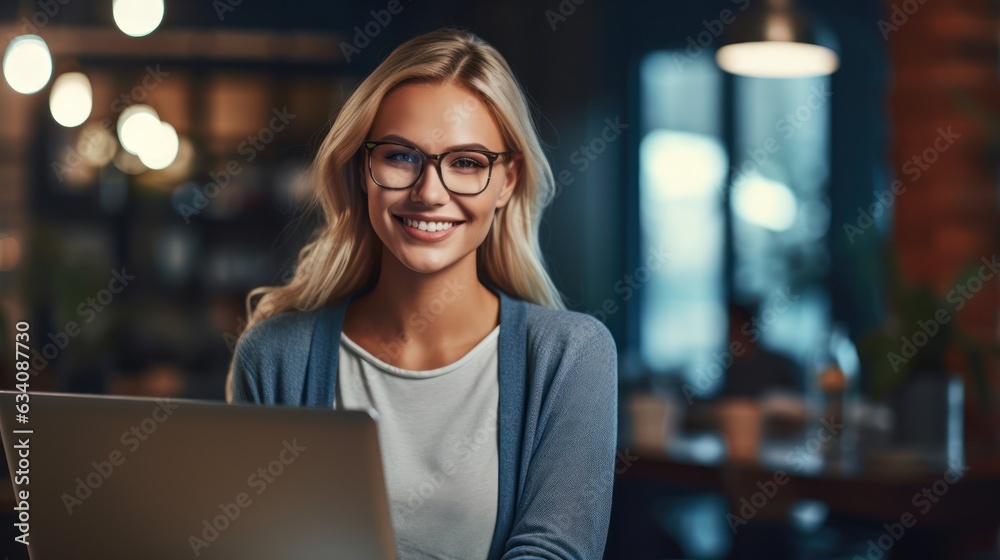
[71,99]
[128,163]
[96,145]
[161,152]
[777,59]
[27,64]
[138,18]
[138,127]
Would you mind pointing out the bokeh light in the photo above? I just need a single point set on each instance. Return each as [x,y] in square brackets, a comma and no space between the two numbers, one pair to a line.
[27,64]
[162,151]
[763,202]
[777,59]
[96,145]
[128,163]
[71,99]
[10,253]
[138,127]
[138,18]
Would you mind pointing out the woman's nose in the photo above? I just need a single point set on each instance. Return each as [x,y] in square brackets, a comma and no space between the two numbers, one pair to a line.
[429,189]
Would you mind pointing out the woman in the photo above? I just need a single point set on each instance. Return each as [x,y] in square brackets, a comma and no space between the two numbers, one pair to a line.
[424,296]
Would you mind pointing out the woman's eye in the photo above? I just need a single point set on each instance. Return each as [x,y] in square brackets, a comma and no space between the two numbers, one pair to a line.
[467,163]
[405,157]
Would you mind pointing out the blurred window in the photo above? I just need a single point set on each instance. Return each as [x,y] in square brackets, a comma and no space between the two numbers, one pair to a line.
[779,211]
[780,208]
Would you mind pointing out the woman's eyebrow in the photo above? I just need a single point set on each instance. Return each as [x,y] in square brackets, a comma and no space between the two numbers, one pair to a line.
[475,146]
[408,142]
[397,138]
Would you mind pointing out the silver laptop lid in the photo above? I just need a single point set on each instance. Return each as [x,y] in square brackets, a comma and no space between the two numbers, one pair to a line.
[113,477]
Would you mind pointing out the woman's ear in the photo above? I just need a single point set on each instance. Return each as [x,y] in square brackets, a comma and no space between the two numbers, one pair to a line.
[512,176]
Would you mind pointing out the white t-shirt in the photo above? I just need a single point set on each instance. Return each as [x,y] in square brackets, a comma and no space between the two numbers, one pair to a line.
[438,436]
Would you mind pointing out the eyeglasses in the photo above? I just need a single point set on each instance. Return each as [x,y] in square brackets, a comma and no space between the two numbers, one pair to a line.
[398,166]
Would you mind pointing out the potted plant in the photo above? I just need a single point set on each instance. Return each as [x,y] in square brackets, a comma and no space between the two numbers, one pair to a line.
[908,359]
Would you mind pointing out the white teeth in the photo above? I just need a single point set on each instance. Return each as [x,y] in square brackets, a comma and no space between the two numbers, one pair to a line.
[428,226]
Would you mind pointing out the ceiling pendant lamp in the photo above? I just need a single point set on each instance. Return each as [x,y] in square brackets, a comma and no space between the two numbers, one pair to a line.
[777,39]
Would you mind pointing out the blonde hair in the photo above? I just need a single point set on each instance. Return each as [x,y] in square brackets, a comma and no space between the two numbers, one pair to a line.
[344,253]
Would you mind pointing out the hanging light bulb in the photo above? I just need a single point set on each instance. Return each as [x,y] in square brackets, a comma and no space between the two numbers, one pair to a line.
[776,40]
[142,134]
[137,18]
[161,152]
[138,127]
[27,64]
[71,99]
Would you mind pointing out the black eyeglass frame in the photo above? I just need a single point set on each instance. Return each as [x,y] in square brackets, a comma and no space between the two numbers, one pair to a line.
[491,156]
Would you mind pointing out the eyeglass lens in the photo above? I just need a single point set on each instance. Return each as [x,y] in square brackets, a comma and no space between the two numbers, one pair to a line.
[398,167]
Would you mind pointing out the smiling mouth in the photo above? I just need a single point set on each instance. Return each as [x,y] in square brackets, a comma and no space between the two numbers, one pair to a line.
[431,227]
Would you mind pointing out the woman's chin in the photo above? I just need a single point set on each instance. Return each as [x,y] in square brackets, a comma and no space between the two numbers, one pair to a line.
[424,264]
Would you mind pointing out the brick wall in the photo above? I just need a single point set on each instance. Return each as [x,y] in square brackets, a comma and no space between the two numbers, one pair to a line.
[942,54]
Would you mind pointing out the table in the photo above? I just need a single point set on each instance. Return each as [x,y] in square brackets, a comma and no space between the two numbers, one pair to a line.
[964,508]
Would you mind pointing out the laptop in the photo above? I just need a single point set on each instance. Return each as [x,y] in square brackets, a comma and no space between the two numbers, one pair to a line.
[124,478]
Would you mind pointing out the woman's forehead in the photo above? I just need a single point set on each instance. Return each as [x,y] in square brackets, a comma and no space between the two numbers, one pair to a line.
[435,116]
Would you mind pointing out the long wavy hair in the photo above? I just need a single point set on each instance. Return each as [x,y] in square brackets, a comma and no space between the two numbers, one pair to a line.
[344,253]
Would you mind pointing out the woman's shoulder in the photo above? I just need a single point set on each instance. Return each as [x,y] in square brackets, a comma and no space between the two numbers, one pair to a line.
[561,329]
[573,354]
[286,332]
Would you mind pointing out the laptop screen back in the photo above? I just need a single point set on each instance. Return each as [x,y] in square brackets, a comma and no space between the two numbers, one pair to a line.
[123,478]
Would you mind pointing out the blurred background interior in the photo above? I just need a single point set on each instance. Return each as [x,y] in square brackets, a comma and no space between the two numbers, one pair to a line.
[786,212]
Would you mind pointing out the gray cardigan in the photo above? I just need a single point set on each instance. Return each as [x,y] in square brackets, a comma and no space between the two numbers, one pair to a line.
[558,377]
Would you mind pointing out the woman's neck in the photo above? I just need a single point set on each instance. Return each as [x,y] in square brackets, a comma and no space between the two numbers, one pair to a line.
[416,317]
